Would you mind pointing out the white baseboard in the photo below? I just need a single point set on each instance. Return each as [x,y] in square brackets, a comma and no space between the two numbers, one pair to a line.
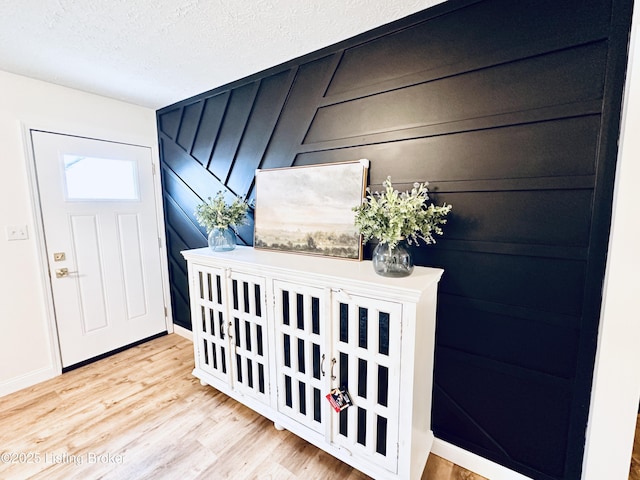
[27,380]
[473,462]
[183,332]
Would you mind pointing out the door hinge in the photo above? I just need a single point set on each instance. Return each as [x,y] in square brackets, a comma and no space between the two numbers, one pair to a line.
[166,312]
[153,169]
[159,242]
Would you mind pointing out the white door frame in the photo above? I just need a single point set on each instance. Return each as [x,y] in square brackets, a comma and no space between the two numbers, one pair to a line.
[110,136]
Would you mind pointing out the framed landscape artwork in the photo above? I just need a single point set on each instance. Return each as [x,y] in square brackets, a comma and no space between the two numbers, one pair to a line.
[309,209]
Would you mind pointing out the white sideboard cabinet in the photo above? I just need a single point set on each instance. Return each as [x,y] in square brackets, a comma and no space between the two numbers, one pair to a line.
[279,331]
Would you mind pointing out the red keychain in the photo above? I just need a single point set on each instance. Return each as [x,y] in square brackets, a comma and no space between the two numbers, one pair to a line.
[339,399]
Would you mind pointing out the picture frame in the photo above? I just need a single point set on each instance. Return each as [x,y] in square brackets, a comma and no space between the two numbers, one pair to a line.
[309,209]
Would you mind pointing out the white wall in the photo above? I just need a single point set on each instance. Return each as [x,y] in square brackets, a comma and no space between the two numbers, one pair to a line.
[27,353]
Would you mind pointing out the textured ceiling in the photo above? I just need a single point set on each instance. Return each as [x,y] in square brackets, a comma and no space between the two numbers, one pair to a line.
[155,53]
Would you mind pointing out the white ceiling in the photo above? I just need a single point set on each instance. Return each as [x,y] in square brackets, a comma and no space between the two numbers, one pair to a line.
[157,52]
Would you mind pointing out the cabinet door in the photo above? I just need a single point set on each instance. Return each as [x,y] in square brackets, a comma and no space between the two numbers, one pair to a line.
[300,323]
[248,322]
[210,323]
[366,346]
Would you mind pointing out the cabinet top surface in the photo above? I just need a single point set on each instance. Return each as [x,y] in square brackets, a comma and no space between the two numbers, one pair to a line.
[331,268]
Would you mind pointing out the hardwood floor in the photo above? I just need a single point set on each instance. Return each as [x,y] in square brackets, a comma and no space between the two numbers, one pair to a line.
[634,470]
[140,414]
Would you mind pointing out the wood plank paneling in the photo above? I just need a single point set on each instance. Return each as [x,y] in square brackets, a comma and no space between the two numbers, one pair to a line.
[533,402]
[526,84]
[524,337]
[232,129]
[207,133]
[264,117]
[302,103]
[189,125]
[557,148]
[511,111]
[478,35]
[169,123]
[546,284]
[525,214]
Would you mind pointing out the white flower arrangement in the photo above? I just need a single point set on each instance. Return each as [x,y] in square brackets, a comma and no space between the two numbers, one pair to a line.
[215,213]
[391,216]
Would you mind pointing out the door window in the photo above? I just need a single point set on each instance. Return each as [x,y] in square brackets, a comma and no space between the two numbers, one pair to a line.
[90,178]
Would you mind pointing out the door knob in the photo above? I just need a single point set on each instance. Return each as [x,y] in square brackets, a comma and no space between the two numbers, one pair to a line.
[63,272]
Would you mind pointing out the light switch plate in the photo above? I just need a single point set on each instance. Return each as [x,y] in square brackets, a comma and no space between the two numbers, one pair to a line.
[16,232]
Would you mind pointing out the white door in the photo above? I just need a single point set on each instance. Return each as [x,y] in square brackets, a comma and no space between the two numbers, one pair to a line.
[304,362]
[101,234]
[367,339]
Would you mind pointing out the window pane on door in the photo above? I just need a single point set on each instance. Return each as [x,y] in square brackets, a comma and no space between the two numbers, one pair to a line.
[89,178]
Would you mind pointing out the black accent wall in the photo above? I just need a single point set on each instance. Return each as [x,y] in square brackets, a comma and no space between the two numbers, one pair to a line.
[511,111]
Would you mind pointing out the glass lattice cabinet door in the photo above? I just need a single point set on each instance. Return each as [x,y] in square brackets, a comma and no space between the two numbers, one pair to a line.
[300,323]
[210,323]
[248,330]
[366,347]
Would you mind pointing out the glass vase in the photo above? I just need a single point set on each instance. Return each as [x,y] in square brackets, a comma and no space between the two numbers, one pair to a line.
[222,239]
[392,261]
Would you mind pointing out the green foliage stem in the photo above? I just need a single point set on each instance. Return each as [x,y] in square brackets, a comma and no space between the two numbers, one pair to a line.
[215,213]
[390,216]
